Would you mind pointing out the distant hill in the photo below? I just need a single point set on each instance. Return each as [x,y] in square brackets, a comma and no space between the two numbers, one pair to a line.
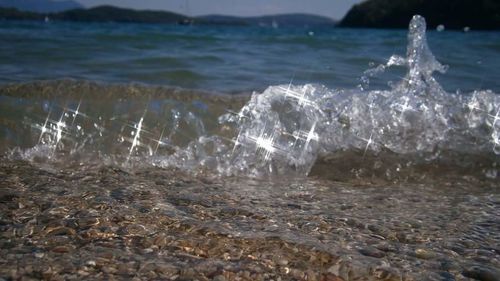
[40,6]
[15,14]
[110,13]
[114,14]
[298,20]
[453,14]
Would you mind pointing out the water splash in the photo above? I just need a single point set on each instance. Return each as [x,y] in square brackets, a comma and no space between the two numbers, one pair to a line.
[416,120]
[291,130]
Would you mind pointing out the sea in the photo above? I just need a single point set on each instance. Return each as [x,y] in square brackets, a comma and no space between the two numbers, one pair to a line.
[304,153]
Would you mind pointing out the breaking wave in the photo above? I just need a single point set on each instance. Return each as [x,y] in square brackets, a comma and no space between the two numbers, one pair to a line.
[412,131]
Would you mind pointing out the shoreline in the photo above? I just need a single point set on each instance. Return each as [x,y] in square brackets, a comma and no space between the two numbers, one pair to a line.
[90,222]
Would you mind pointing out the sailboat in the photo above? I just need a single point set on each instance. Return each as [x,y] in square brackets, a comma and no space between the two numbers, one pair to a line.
[275,24]
[188,20]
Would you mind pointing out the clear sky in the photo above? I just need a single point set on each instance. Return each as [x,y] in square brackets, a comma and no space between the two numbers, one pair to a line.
[331,8]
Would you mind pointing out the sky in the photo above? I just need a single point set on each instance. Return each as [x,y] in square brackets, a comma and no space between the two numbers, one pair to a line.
[335,9]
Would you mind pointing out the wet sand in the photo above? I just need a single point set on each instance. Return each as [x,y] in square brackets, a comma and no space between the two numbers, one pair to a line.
[104,223]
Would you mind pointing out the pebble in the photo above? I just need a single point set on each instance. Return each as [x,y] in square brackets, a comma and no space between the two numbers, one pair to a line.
[311,276]
[147,251]
[282,262]
[39,255]
[372,252]
[60,249]
[219,278]
[387,273]
[167,270]
[109,269]
[61,231]
[125,269]
[160,241]
[330,277]
[424,254]
[446,276]
[151,275]
[482,274]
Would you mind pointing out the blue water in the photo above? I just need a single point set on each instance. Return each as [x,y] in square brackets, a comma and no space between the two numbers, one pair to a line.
[232,59]
[391,103]
[397,182]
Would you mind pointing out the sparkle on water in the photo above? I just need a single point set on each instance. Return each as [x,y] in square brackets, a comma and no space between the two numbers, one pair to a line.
[283,130]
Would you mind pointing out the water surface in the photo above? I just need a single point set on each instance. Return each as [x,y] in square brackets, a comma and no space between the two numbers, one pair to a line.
[230,59]
[360,157]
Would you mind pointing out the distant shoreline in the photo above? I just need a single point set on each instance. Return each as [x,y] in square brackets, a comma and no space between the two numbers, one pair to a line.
[379,14]
[115,14]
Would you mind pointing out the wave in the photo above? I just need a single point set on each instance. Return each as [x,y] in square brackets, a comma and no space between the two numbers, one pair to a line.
[414,124]
[413,131]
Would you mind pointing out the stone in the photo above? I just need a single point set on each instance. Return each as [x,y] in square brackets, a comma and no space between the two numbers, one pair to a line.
[282,262]
[482,273]
[372,252]
[61,249]
[424,254]
[219,278]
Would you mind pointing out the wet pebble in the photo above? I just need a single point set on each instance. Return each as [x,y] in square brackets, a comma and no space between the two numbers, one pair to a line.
[61,249]
[61,231]
[482,273]
[166,270]
[446,276]
[330,277]
[88,222]
[160,241]
[7,196]
[386,247]
[372,252]
[39,255]
[219,278]
[424,254]
[111,269]
[126,269]
[282,262]
[387,273]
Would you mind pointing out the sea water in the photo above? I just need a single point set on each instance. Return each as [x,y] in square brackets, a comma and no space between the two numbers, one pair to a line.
[376,138]
[232,59]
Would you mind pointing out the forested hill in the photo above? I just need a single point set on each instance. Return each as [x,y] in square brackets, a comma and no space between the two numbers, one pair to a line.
[453,14]
[40,6]
[115,14]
